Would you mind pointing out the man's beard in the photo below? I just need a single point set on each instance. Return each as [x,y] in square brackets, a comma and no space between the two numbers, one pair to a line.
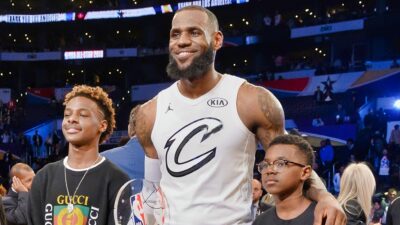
[199,66]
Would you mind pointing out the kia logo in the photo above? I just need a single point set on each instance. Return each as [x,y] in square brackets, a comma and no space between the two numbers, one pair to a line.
[217,102]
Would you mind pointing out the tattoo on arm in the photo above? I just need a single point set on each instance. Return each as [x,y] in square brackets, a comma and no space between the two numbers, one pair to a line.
[141,130]
[273,117]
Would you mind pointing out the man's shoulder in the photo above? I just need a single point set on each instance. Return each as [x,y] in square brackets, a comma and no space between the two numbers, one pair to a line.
[9,200]
[113,151]
[114,170]
[396,202]
[147,112]
[130,148]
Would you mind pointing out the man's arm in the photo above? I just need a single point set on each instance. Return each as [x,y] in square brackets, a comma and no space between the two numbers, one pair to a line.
[265,117]
[145,119]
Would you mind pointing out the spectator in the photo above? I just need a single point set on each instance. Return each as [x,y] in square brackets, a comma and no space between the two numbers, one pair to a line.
[357,187]
[341,115]
[377,211]
[384,169]
[37,141]
[318,95]
[2,214]
[390,195]
[373,155]
[267,20]
[5,137]
[326,153]
[55,141]
[130,157]
[257,193]
[317,121]
[349,151]
[16,201]
[394,138]
[371,120]
[48,143]
[336,179]
[393,215]
[277,18]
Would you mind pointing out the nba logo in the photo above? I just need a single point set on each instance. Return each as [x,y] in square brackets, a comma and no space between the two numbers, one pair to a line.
[137,217]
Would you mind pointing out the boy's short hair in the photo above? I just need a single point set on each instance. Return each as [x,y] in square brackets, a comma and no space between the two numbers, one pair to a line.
[100,97]
[299,142]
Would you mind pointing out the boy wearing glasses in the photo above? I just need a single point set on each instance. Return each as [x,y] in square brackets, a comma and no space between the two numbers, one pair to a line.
[285,172]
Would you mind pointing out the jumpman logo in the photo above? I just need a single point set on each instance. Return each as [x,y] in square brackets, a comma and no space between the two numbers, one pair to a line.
[169,108]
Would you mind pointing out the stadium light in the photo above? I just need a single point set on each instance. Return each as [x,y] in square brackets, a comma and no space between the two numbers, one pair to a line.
[397,104]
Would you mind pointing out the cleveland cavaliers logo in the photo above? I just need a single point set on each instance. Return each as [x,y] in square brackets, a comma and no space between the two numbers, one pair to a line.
[188,138]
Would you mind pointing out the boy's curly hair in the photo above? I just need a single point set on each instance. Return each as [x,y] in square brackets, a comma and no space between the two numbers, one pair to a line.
[100,97]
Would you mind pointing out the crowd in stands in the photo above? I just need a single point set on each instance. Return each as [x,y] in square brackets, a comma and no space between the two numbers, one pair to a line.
[369,146]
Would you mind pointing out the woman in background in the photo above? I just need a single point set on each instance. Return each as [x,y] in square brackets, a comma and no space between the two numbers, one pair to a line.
[357,187]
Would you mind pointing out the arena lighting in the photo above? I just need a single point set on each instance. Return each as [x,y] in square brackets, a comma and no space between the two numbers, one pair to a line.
[113,14]
[396,104]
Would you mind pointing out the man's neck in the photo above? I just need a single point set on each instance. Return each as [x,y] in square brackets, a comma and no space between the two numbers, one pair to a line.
[292,206]
[81,158]
[194,88]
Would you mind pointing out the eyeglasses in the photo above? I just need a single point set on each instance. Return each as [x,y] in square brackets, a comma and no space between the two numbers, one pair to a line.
[277,165]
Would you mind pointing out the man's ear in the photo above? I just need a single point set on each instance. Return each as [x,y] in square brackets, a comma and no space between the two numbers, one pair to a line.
[218,39]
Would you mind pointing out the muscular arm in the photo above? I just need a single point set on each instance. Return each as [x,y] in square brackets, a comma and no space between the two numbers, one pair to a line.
[265,117]
[145,119]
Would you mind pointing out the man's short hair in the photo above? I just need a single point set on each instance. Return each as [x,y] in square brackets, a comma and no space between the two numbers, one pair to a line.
[299,142]
[212,19]
[17,168]
[100,97]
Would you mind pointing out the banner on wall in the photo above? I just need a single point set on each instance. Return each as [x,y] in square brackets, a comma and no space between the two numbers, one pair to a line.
[327,28]
[40,95]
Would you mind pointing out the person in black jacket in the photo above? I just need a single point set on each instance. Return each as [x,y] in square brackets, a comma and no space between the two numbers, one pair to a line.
[16,201]
[393,215]
[2,214]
